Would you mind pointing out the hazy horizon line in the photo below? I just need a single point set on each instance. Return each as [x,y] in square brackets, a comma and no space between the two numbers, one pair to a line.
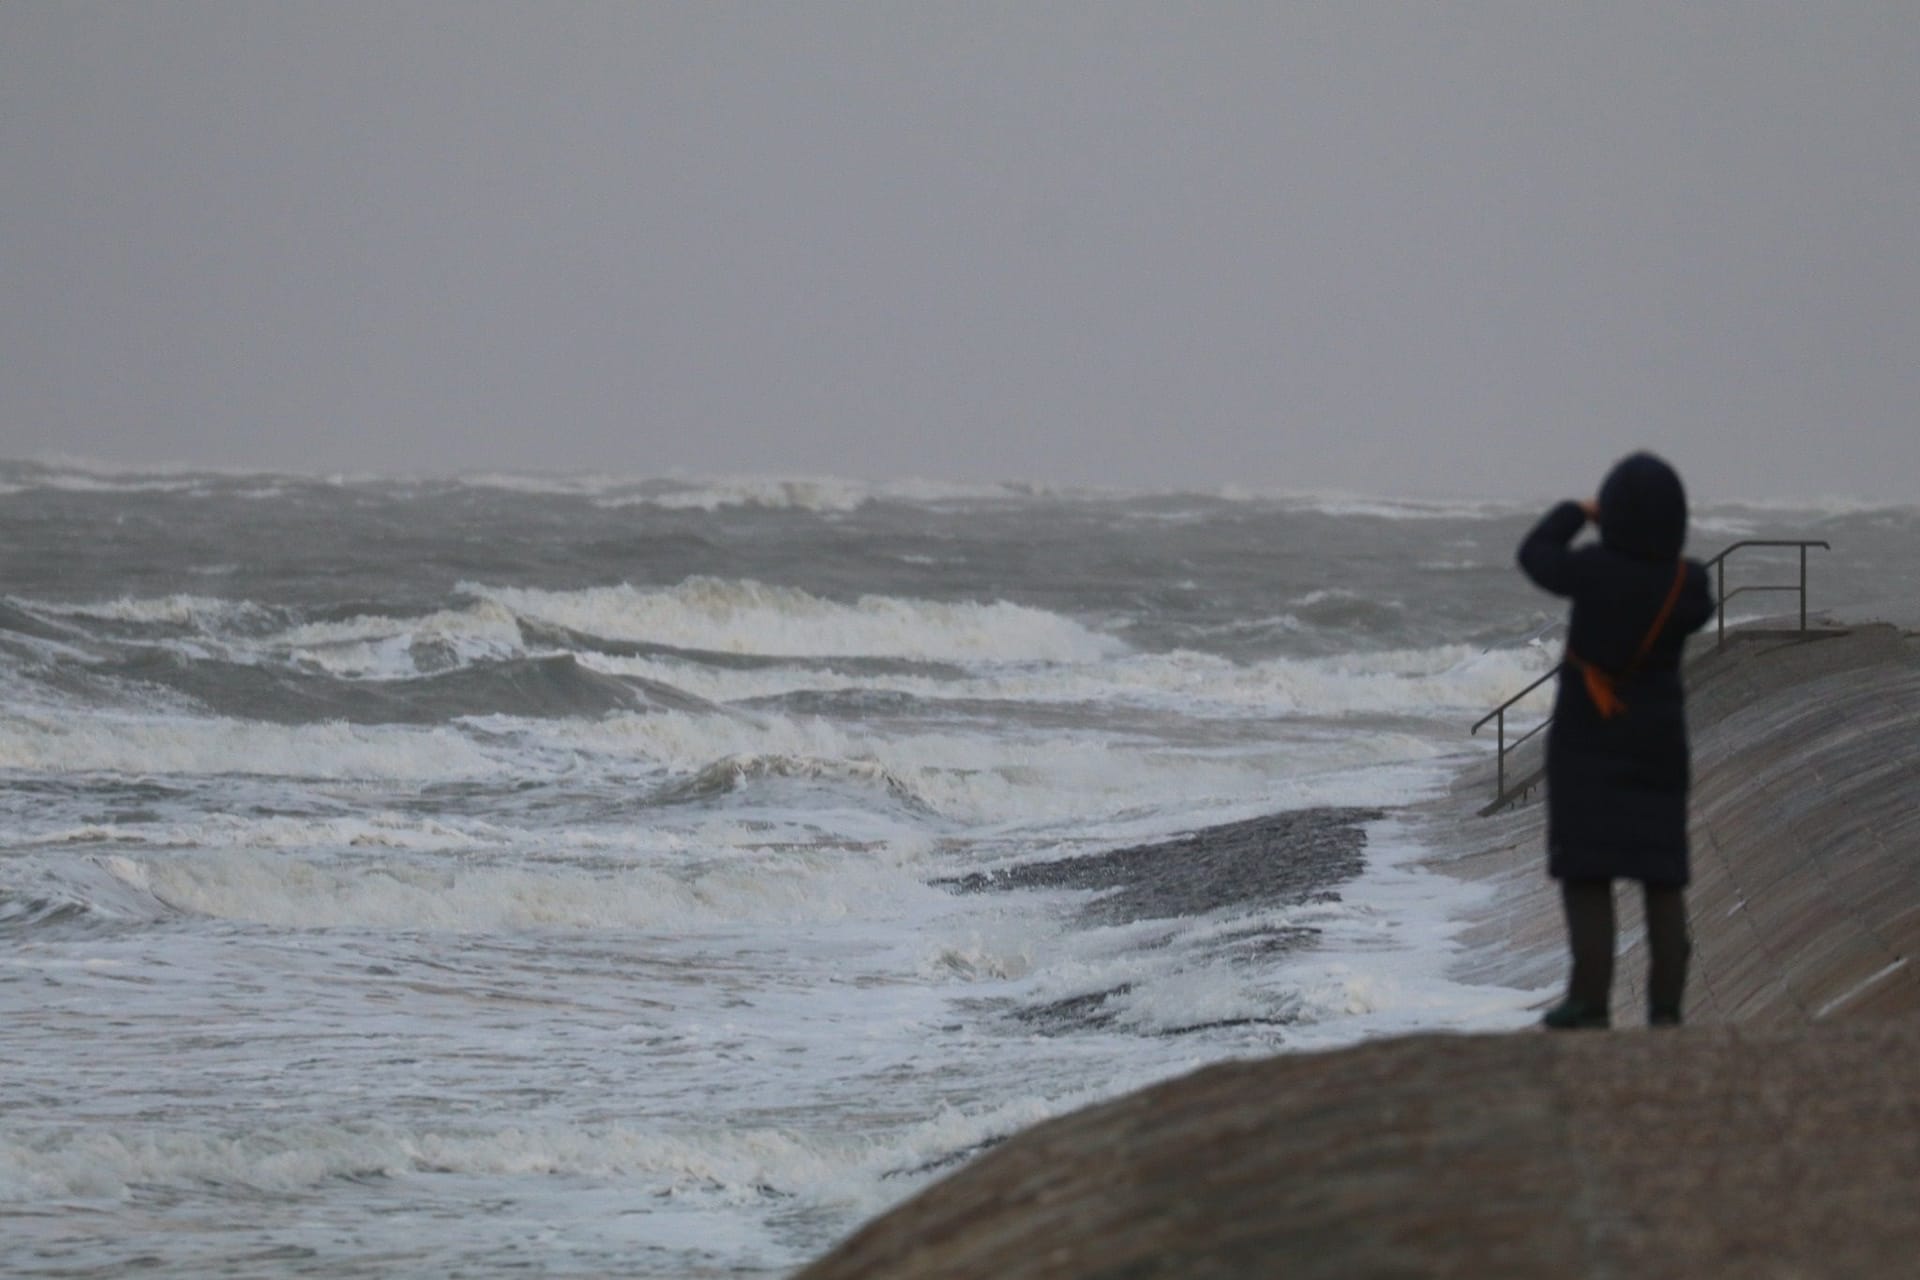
[582,478]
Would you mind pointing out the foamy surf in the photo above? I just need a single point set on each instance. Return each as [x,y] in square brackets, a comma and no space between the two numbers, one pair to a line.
[625,874]
[203,747]
[752,617]
[515,895]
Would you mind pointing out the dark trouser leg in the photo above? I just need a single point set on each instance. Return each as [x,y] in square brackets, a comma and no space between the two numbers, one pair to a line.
[1667,949]
[1589,905]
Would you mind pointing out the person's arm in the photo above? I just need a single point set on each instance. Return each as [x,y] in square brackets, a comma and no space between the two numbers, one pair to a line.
[1546,555]
[1696,604]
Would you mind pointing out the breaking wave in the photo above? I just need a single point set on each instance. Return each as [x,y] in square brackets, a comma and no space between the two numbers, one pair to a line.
[734,772]
[377,829]
[204,613]
[1378,507]
[103,1163]
[1440,681]
[520,687]
[826,495]
[333,750]
[732,1164]
[771,494]
[457,895]
[380,645]
[751,617]
[973,777]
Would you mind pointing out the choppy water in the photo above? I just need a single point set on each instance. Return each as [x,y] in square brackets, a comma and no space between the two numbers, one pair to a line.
[656,877]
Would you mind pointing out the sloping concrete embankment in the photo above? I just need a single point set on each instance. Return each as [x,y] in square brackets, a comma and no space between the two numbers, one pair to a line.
[1777,1135]
[1806,840]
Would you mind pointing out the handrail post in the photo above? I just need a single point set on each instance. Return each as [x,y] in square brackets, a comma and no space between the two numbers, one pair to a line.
[1803,586]
[1720,597]
[1500,757]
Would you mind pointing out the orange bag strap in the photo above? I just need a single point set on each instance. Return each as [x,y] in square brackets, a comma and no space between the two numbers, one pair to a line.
[1600,683]
[1660,619]
[1600,689]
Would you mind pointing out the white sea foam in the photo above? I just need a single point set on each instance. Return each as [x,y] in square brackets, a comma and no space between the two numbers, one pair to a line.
[1724,526]
[561,484]
[1415,682]
[820,495]
[208,613]
[927,490]
[1323,596]
[685,744]
[98,1163]
[1440,681]
[376,829]
[1444,680]
[1818,506]
[83,483]
[1404,681]
[378,646]
[159,746]
[825,494]
[377,890]
[733,1164]
[1386,948]
[997,778]
[60,462]
[1380,964]
[724,685]
[1377,506]
[751,617]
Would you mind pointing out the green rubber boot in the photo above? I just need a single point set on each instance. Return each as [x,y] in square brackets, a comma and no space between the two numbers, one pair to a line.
[1575,1015]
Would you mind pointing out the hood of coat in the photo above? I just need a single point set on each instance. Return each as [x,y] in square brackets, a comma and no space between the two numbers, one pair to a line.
[1643,509]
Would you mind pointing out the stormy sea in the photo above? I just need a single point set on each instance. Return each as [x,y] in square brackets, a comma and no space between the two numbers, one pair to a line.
[589,875]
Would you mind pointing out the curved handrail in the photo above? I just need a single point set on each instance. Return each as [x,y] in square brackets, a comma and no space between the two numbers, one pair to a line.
[1718,566]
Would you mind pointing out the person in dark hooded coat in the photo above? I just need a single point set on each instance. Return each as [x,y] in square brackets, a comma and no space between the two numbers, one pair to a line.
[1618,765]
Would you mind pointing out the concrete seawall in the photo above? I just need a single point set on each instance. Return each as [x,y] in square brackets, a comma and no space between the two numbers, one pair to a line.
[1777,1135]
[1806,839]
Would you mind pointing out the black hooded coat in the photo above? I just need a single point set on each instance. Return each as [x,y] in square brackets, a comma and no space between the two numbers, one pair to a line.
[1617,787]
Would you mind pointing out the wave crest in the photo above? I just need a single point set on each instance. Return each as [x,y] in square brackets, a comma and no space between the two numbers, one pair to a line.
[437,894]
[744,616]
[737,771]
[333,750]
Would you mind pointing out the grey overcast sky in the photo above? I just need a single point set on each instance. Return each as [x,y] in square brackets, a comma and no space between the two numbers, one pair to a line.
[1398,248]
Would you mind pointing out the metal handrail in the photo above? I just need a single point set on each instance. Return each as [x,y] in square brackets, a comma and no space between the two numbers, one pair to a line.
[1499,715]
[1719,566]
